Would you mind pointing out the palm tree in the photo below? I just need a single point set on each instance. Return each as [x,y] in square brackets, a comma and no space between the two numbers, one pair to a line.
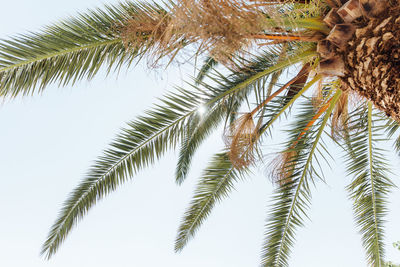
[348,49]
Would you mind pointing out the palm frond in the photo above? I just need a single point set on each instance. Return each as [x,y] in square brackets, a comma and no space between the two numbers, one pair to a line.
[139,145]
[392,128]
[144,141]
[195,216]
[214,185]
[202,203]
[367,163]
[292,198]
[196,132]
[208,65]
[201,126]
[69,51]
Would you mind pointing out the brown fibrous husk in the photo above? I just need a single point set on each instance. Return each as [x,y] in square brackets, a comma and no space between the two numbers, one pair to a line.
[340,122]
[318,97]
[340,115]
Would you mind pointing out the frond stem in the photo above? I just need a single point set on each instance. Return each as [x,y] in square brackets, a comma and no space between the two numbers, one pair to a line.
[313,119]
[286,37]
[314,23]
[372,180]
[272,42]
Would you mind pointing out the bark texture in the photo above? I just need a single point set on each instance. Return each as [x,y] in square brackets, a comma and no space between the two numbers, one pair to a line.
[372,62]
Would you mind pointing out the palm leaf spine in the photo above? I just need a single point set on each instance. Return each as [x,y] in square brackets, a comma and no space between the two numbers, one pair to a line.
[372,171]
[308,23]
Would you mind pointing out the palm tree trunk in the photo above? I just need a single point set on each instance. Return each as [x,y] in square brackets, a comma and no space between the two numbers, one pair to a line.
[372,62]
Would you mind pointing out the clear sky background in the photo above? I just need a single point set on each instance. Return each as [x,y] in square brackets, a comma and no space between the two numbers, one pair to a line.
[47,143]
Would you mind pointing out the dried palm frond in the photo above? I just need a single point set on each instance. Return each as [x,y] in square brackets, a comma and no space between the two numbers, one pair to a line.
[221,26]
[241,137]
[282,167]
[152,28]
[341,124]
[147,26]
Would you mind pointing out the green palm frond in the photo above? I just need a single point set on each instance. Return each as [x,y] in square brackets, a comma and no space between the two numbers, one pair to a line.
[370,185]
[204,201]
[142,143]
[69,51]
[307,54]
[195,216]
[201,126]
[196,132]
[392,128]
[292,199]
[214,185]
[209,64]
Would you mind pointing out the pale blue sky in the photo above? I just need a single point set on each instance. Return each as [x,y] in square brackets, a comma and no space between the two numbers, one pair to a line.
[47,143]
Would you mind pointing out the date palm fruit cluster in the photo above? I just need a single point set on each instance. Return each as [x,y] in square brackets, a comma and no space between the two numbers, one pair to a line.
[363,49]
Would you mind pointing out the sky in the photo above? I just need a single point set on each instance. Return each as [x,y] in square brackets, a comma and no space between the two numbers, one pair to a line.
[48,141]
